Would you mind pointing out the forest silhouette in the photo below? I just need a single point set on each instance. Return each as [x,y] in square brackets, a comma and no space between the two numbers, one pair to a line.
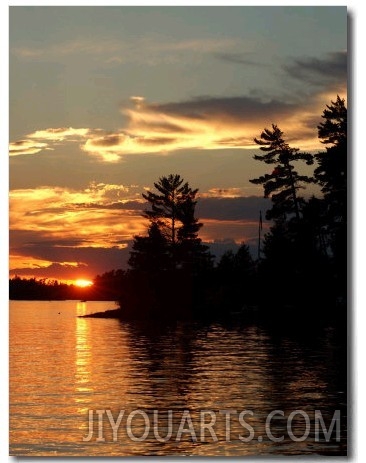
[301,264]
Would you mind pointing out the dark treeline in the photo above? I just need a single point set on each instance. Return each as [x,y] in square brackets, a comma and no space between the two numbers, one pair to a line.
[301,267]
[105,288]
[44,289]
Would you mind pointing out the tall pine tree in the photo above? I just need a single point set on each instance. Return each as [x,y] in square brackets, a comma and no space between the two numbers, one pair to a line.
[283,183]
[331,174]
[166,266]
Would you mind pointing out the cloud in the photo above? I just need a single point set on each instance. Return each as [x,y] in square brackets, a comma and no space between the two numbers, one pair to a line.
[108,140]
[57,232]
[243,108]
[41,140]
[231,218]
[240,231]
[238,58]
[212,123]
[26,147]
[320,72]
[208,122]
[103,215]
[201,123]
[59,134]
[82,217]
[90,262]
[232,208]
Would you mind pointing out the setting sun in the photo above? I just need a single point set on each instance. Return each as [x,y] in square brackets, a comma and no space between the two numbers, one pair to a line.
[83,283]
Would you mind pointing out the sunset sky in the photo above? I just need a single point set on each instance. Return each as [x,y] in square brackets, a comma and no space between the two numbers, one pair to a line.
[105,100]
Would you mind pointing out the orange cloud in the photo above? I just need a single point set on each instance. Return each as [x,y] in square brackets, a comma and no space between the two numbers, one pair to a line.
[203,123]
[24,260]
[59,134]
[209,123]
[42,140]
[26,147]
[84,216]
[56,231]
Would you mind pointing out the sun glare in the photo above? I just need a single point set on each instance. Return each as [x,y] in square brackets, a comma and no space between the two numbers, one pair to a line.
[83,283]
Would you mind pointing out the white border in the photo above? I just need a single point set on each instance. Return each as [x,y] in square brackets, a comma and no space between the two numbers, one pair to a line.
[358,236]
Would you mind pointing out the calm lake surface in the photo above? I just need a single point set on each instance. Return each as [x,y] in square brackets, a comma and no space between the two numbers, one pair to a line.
[62,366]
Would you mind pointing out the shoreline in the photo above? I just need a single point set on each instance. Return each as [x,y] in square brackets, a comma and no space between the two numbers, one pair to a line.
[111,313]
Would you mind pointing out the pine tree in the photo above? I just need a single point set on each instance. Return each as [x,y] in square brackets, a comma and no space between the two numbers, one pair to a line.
[173,204]
[167,265]
[284,182]
[173,231]
[331,174]
[334,128]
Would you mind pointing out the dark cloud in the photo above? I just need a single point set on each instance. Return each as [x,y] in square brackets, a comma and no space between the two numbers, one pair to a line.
[238,58]
[156,141]
[244,108]
[108,140]
[20,143]
[164,127]
[312,121]
[333,68]
[58,243]
[29,237]
[242,208]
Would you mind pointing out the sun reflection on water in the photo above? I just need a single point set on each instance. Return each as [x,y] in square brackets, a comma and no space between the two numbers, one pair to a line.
[83,360]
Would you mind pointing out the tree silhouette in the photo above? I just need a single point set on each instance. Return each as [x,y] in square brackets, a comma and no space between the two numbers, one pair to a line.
[331,174]
[284,182]
[150,253]
[173,230]
[334,128]
[306,255]
[167,267]
[172,208]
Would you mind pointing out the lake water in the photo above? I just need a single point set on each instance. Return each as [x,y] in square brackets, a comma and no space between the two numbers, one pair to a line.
[63,368]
